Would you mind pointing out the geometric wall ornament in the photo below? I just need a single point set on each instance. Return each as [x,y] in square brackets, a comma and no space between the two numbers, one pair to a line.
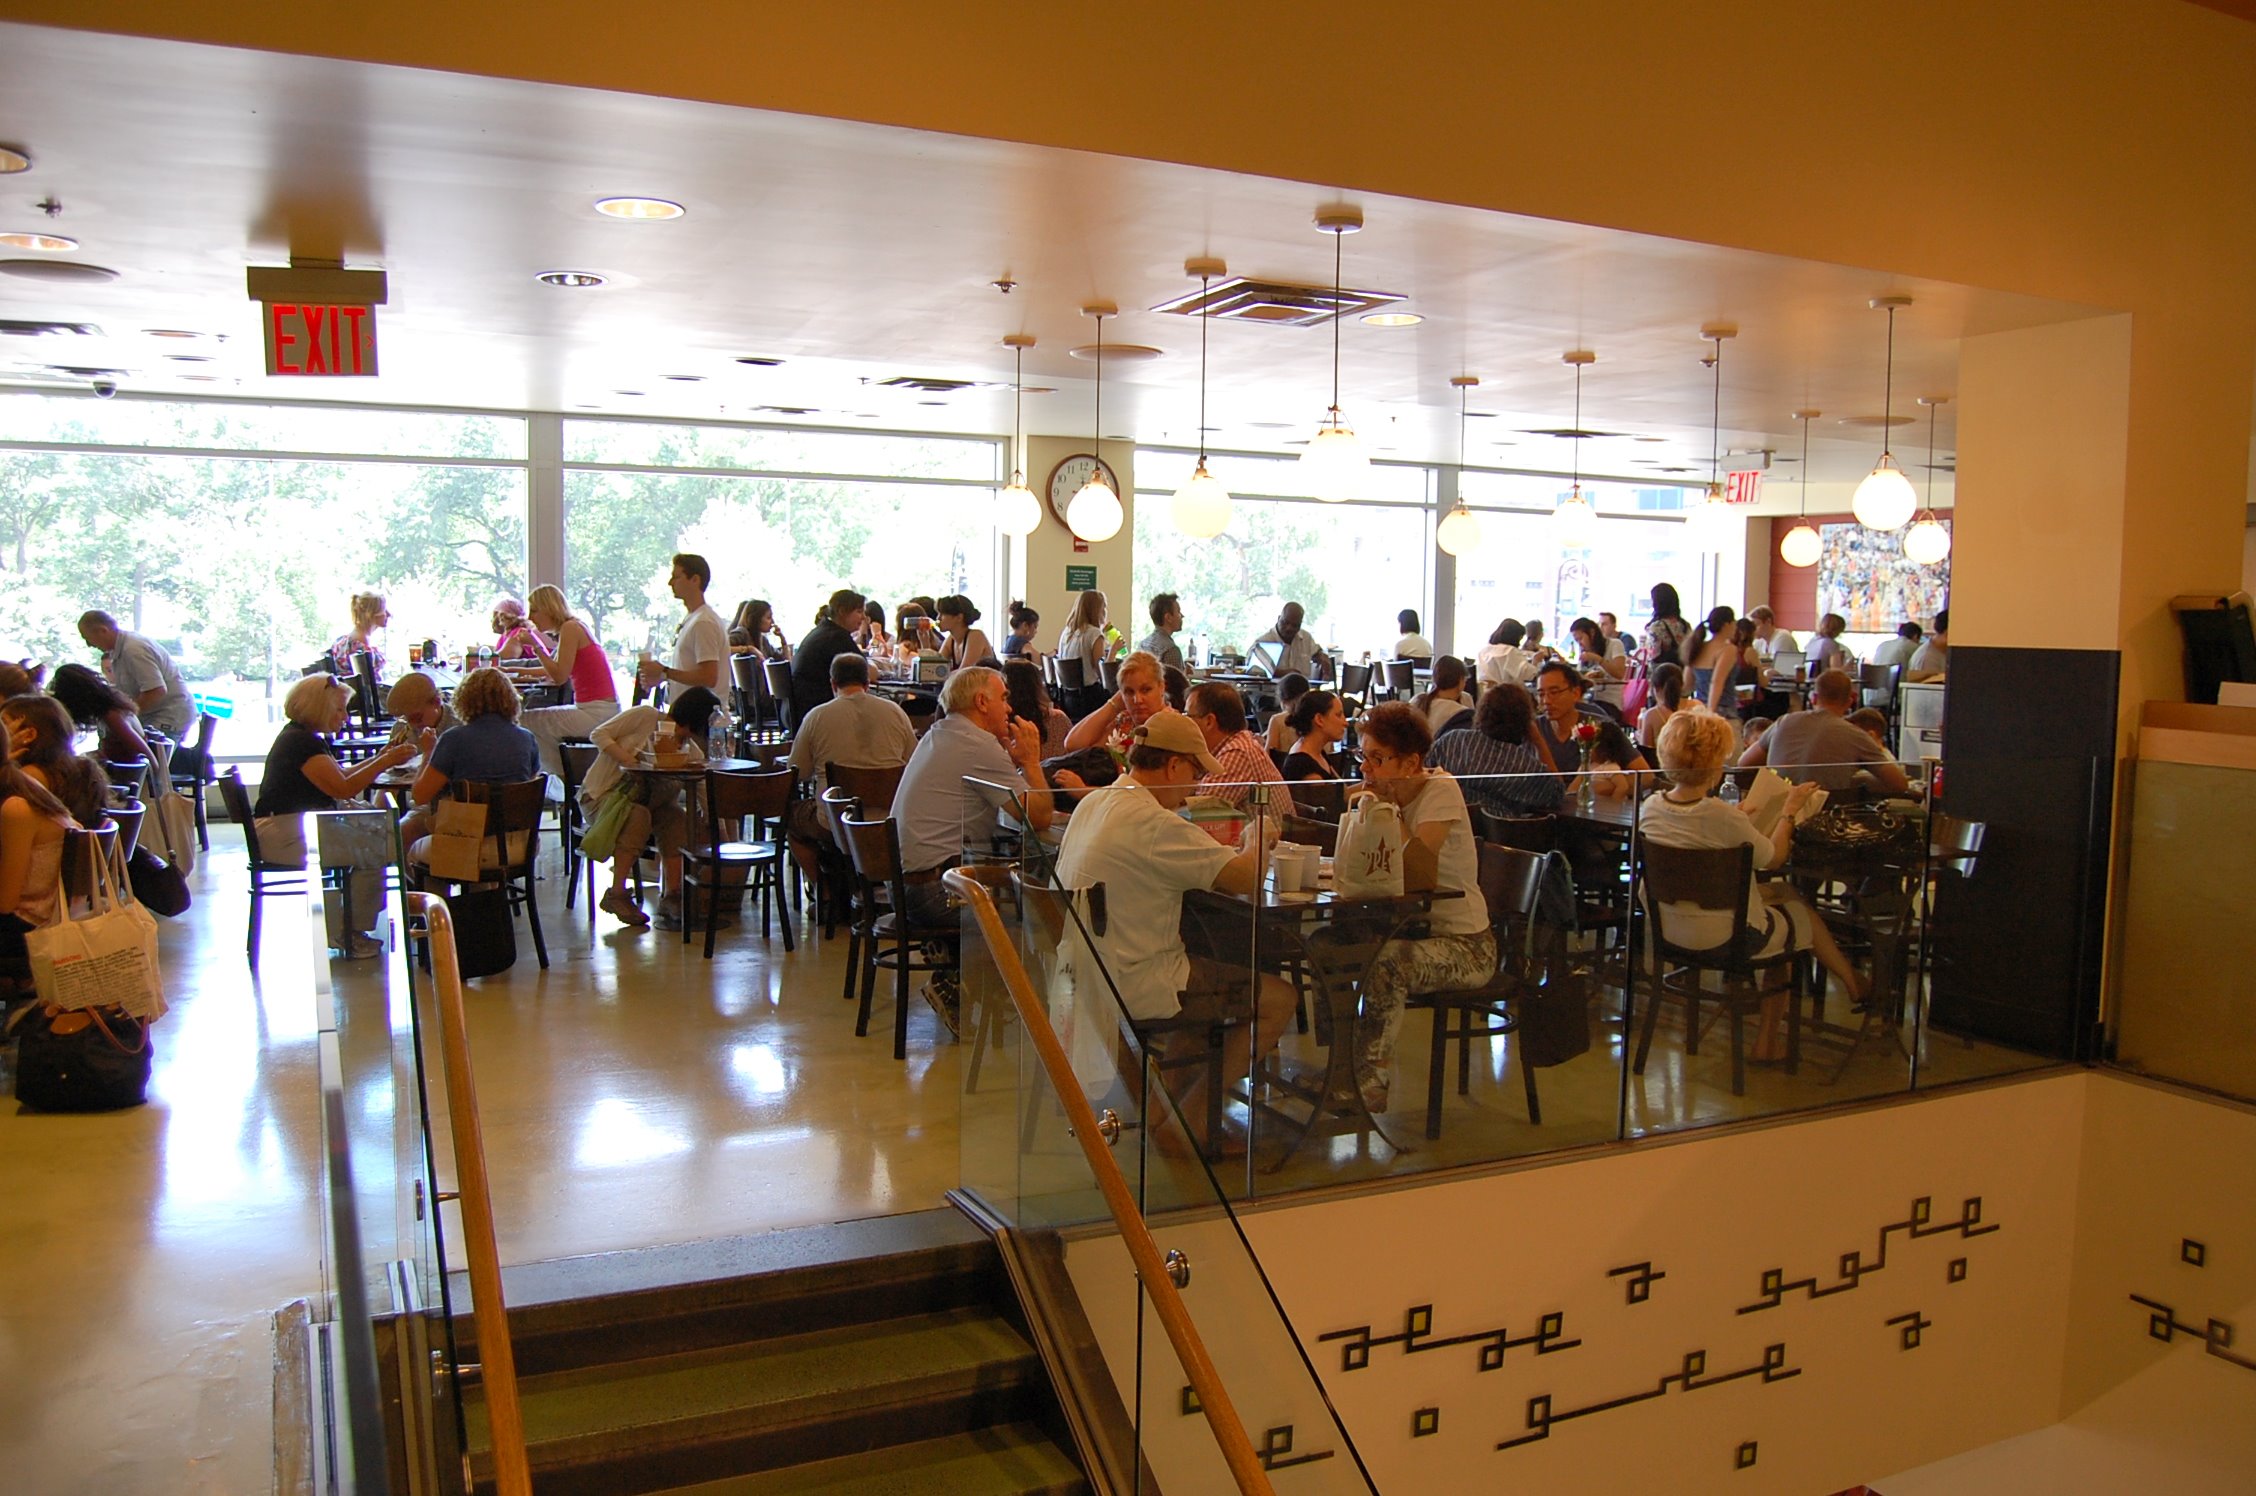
[1417,1336]
[1641,1279]
[1191,1405]
[2194,1252]
[1912,1324]
[1956,1273]
[1425,1422]
[1853,1269]
[1745,1458]
[1276,1450]
[1690,1376]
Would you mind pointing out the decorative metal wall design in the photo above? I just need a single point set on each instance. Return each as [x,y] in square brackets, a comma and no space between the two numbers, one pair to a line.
[1276,1451]
[2215,1335]
[1691,1374]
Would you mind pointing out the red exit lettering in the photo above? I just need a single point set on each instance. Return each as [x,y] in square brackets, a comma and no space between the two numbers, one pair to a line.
[307,339]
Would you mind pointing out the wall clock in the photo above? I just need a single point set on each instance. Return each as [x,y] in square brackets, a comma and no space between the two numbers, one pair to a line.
[1067,478]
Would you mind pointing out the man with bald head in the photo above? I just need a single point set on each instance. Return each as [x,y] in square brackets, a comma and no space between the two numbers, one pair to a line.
[142,670]
[1820,746]
[1288,648]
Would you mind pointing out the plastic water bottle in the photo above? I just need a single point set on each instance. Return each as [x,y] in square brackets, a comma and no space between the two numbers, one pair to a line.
[1729,793]
[717,734]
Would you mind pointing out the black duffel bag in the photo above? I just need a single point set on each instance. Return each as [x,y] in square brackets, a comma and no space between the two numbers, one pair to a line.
[1866,833]
[80,1059]
[485,936]
[157,884]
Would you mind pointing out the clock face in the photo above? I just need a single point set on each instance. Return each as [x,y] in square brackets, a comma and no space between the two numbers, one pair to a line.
[1067,478]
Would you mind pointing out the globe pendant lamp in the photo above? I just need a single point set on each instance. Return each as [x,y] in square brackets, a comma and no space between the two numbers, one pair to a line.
[1202,505]
[1459,533]
[1706,519]
[1017,511]
[1801,547]
[1884,500]
[1334,464]
[1928,541]
[1094,511]
[1575,522]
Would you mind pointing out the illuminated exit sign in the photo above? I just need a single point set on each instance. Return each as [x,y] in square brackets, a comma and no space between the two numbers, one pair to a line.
[308,338]
[319,318]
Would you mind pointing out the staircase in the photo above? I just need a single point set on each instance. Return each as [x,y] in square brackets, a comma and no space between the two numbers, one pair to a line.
[884,1356]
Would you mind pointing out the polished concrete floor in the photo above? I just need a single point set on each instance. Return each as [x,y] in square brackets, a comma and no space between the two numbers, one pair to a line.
[632,1094]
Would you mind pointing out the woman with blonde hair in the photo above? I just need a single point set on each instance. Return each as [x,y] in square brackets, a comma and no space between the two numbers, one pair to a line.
[369,613]
[1084,635]
[513,639]
[302,775]
[577,658]
[1694,749]
[1143,691]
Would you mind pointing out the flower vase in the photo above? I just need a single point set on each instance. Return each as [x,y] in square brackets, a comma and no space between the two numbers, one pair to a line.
[1586,794]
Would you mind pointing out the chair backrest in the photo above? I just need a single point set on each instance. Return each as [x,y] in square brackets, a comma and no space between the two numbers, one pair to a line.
[1108,671]
[238,802]
[1713,880]
[510,808]
[875,846]
[127,819]
[1070,675]
[371,705]
[1402,676]
[80,849]
[1511,881]
[1536,834]
[875,788]
[1879,683]
[1322,835]
[576,756]
[1956,843]
[776,676]
[1354,680]
[1320,799]
[748,794]
[838,804]
[130,775]
[191,762]
[745,672]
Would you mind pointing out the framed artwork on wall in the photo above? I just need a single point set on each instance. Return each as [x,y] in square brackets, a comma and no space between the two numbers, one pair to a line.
[1864,576]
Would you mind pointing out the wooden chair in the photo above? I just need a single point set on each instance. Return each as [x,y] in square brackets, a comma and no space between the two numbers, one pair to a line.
[758,799]
[875,845]
[1108,672]
[575,756]
[130,775]
[268,879]
[1536,833]
[875,788]
[1354,684]
[127,819]
[1072,687]
[1511,881]
[191,771]
[512,810]
[776,675]
[1401,679]
[1716,880]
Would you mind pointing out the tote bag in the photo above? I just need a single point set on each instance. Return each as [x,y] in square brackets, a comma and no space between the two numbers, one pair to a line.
[108,958]
[1367,864]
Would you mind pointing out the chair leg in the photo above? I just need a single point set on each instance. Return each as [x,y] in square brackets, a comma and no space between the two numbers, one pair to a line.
[712,912]
[783,916]
[1437,1061]
[901,998]
[258,897]
[853,958]
[1652,1017]
[1738,1048]
[532,917]
[1527,1079]
[869,985]
[203,822]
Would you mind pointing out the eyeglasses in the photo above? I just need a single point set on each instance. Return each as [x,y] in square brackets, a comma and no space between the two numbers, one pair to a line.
[1549,693]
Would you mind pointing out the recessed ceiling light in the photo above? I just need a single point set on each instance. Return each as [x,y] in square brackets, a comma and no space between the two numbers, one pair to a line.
[53,244]
[633,393]
[58,270]
[687,378]
[201,378]
[189,358]
[13,159]
[932,402]
[576,280]
[1391,319]
[171,332]
[642,209]
[1268,425]
[757,362]
[1116,353]
[1649,439]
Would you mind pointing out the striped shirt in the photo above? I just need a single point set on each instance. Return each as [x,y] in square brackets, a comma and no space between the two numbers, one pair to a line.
[1472,756]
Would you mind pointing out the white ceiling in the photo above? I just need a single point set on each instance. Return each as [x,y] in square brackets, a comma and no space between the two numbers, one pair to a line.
[857,252]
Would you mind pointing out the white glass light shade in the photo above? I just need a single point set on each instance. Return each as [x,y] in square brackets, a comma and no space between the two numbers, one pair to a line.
[1884,500]
[1927,542]
[1575,522]
[1334,463]
[1094,513]
[1459,533]
[1801,546]
[1704,520]
[1202,505]
[1017,511]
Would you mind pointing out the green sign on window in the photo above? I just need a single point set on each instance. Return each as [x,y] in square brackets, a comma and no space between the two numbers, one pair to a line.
[1080,579]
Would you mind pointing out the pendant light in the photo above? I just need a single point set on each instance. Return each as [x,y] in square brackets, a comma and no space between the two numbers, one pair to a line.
[1202,506]
[1928,541]
[1094,511]
[1706,518]
[1017,512]
[1884,500]
[1575,522]
[1334,462]
[1801,547]
[1460,533]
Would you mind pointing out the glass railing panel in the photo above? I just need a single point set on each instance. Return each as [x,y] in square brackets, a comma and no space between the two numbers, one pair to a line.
[2188,984]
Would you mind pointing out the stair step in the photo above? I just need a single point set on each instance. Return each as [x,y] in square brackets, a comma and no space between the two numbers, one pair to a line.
[664,1420]
[1009,1460]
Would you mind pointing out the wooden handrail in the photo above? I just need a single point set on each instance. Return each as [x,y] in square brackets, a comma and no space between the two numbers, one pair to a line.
[1151,1268]
[497,1360]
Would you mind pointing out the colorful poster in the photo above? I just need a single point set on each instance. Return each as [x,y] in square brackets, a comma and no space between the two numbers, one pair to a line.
[1864,576]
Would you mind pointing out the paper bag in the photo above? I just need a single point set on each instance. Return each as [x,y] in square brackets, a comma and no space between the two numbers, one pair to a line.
[108,958]
[456,852]
[170,827]
[1367,864]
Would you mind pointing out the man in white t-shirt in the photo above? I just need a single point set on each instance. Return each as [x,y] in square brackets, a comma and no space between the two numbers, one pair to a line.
[1932,661]
[1770,639]
[1899,650]
[701,644]
[1129,838]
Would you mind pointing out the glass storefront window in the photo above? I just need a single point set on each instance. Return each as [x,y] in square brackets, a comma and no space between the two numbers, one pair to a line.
[232,426]
[778,449]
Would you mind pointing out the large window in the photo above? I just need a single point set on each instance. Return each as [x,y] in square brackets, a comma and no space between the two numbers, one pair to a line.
[1352,566]
[1520,570]
[242,566]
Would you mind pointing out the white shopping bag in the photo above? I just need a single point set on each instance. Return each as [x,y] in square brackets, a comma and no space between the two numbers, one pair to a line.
[169,829]
[108,958]
[1082,1009]
[1367,864]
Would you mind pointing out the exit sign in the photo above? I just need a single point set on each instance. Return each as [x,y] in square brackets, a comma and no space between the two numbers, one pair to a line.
[308,338]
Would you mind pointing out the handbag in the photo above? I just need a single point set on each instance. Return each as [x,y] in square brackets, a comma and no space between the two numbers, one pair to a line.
[108,958]
[80,1060]
[1367,863]
[601,838]
[158,886]
[1857,833]
[169,827]
[1634,692]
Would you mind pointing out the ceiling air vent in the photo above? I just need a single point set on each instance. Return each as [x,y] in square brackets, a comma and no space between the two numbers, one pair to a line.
[1573,434]
[1276,303]
[925,385]
[13,328]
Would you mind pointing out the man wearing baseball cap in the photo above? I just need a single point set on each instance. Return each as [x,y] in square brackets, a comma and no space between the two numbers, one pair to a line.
[1128,838]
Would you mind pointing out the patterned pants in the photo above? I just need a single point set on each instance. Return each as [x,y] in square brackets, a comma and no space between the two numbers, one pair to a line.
[1436,964]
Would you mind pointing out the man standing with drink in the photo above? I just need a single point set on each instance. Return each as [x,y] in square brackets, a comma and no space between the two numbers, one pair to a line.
[701,643]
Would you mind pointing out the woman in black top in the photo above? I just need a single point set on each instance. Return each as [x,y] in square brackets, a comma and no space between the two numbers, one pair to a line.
[302,772]
[1665,635]
[1318,723]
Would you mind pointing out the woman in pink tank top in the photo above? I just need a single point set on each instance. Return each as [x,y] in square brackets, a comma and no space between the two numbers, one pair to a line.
[576,658]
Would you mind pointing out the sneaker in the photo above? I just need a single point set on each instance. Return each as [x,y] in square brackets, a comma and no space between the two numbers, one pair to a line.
[620,904]
[669,912]
[362,947]
[946,998]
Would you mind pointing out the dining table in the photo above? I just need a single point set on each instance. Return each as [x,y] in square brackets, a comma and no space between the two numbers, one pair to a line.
[1335,940]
